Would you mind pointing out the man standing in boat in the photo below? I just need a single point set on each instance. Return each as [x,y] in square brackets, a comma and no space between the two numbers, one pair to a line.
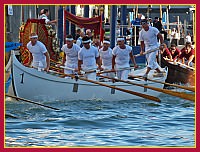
[39,56]
[88,59]
[44,15]
[70,59]
[121,56]
[148,41]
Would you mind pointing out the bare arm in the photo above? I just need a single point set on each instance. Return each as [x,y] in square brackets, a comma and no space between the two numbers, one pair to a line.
[52,22]
[142,47]
[98,61]
[79,64]
[47,61]
[113,62]
[133,60]
[170,57]
[190,59]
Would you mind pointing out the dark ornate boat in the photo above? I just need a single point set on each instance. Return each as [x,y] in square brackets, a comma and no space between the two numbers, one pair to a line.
[178,73]
[46,34]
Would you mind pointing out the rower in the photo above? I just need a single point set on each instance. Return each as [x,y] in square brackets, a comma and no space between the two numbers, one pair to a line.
[187,54]
[39,56]
[122,54]
[106,57]
[70,59]
[88,59]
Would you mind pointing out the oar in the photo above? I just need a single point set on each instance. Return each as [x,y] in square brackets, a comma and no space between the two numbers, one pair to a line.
[186,66]
[119,69]
[64,67]
[147,52]
[29,101]
[82,72]
[174,85]
[86,71]
[113,87]
[173,93]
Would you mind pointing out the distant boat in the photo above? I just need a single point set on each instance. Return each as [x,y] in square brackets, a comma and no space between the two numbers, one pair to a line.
[34,85]
[178,73]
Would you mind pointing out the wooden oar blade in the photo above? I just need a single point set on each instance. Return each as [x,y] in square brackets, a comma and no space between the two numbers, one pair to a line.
[29,101]
[169,84]
[186,96]
[139,94]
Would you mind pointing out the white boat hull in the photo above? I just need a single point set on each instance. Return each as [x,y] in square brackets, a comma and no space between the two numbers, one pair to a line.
[35,85]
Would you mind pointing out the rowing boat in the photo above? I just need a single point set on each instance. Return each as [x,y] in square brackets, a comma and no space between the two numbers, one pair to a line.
[29,83]
[178,73]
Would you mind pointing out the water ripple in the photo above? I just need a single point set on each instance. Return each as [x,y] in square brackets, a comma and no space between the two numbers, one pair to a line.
[101,123]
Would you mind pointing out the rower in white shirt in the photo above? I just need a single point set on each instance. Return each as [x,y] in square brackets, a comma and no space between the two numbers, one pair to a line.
[70,59]
[88,58]
[122,54]
[39,56]
[106,57]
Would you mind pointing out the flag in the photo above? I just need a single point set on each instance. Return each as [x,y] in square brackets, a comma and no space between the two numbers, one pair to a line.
[12,45]
[93,23]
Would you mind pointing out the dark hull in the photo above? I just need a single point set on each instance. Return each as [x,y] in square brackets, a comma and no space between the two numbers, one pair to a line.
[177,74]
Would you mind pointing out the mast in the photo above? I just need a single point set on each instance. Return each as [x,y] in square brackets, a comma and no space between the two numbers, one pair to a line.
[113,21]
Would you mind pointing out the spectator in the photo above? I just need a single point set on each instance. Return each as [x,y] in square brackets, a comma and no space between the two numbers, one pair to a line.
[136,24]
[41,12]
[174,37]
[157,23]
[79,40]
[45,16]
[150,21]
[89,34]
[163,31]
[188,38]
[78,32]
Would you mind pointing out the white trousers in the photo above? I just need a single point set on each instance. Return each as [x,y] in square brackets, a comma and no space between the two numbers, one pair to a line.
[91,76]
[123,74]
[151,60]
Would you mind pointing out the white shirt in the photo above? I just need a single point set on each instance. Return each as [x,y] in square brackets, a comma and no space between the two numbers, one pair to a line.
[122,56]
[88,56]
[43,16]
[106,57]
[37,51]
[149,37]
[188,38]
[71,55]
